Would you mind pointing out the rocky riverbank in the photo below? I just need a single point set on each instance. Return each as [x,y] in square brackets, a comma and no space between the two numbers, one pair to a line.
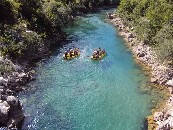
[12,80]
[161,73]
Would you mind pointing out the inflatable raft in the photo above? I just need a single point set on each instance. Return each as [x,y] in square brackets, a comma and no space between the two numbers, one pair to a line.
[71,54]
[98,54]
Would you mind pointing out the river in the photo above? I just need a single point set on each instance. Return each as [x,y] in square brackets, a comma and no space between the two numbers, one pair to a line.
[82,94]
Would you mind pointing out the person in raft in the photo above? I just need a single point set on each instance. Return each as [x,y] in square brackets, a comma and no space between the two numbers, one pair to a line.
[76,51]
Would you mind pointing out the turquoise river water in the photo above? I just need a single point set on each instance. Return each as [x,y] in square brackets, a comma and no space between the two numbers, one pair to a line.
[82,94]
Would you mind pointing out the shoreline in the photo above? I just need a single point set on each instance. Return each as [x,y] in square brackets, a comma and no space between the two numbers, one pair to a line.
[160,73]
[13,79]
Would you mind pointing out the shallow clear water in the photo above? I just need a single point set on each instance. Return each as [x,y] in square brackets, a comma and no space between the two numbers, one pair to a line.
[82,94]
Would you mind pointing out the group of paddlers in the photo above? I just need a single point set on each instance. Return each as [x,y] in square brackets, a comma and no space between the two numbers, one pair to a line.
[72,53]
[98,54]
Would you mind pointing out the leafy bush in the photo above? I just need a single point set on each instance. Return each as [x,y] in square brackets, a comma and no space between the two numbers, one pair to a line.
[9,11]
[164,43]
[17,41]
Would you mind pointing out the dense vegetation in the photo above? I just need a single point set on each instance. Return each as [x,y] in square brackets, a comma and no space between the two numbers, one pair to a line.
[25,24]
[153,23]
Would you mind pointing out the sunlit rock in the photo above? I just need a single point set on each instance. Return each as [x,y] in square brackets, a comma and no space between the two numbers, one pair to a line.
[4,109]
[170,82]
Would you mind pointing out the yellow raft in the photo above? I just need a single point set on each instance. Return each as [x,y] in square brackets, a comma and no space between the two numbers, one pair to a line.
[71,56]
[93,57]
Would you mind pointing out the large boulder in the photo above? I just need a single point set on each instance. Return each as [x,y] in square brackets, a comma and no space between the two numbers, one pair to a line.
[169,82]
[110,15]
[21,75]
[4,112]
[164,119]
[15,74]
[158,116]
[3,81]
[1,60]
[17,68]
[15,113]
[131,35]
[141,54]
[15,117]
[12,101]
[153,80]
